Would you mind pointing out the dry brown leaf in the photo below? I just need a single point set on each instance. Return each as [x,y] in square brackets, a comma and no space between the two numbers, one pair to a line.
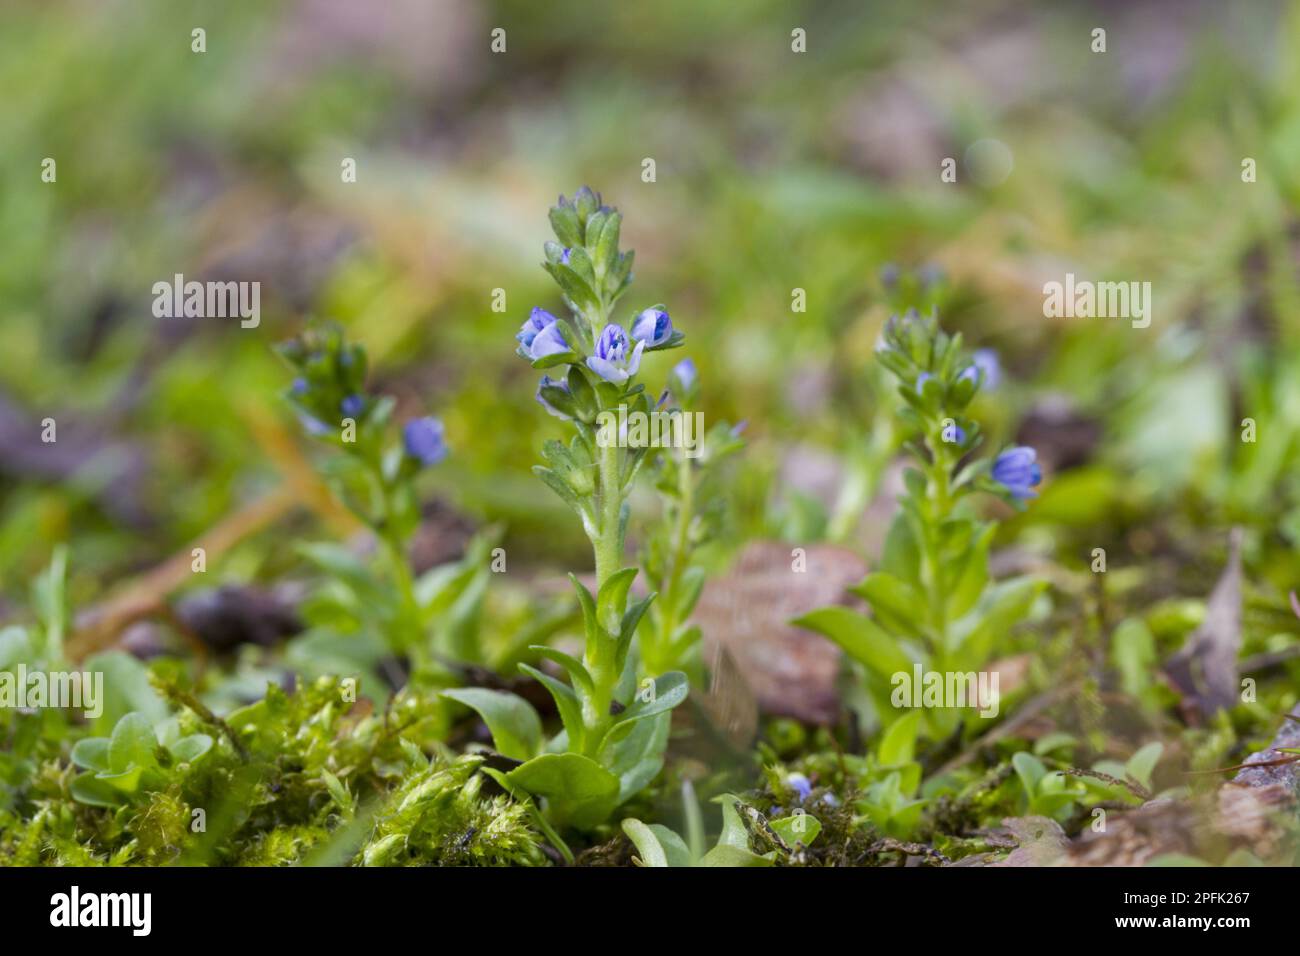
[1205,670]
[793,673]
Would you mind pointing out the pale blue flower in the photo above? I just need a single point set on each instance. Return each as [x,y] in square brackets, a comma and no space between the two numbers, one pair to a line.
[613,361]
[653,327]
[1017,468]
[986,362]
[423,440]
[537,321]
[549,341]
[800,784]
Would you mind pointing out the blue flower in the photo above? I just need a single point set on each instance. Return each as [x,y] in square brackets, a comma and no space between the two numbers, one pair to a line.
[930,275]
[958,434]
[313,425]
[423,440]
[986,361]
[353,406]
[653,327]
[538,321]
[612,361]
[548,382]
[549,341]
[565,255]
[683,379]
[922,379]
[299,387]
[800,784]
[1017,469]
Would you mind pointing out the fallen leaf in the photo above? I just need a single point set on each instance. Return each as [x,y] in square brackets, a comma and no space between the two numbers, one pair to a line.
[1205,669]
[793,673]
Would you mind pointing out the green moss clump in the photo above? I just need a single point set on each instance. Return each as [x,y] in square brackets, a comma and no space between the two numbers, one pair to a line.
[439,817]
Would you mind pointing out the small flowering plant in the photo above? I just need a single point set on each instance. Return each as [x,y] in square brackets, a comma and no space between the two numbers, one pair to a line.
[692,514]
[375,478]
[615,730]
[932,601]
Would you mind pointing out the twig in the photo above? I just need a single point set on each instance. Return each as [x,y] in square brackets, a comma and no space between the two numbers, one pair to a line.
[98,627]
[1128,783]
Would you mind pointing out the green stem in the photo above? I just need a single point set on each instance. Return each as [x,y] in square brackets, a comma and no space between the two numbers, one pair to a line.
[656,657]
[606,544]
[938,506]
[608,553]
[408,629]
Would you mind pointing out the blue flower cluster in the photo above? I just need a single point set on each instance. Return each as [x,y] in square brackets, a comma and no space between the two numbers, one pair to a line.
[939,380]
[592,274]
[328,392]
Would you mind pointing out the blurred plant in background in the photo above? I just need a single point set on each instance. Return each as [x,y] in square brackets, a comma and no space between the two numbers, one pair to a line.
[932,602]
[692,491]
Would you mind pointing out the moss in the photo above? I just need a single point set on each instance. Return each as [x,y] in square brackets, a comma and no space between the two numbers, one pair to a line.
[440,817]
[160,826]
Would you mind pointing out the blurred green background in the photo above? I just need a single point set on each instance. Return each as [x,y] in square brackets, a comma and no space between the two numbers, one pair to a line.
[775,170]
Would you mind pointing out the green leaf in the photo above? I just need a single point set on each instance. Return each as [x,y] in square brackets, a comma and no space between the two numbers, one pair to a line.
[724,855]
[733,843]
[797,828]
[605,246]
[628,627]
[91,753]
[860,637]
[674,847]
[191,748]
[1142,764]
[669,691]
[578,791]
[1133,652]
[576,670]
[566,701]
[973,575]
[126,689]
[573,285]
[646,842]
[1003,606]
[564,222]
[896,604]
[637,756]
[898,746]
[132,744]
[611,602]
[582,394]
[900,555]
[341,563]
[1030,770]
[516,728]
[588,610]
[555,481]
[556,358]
[733,828]
[87,788]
